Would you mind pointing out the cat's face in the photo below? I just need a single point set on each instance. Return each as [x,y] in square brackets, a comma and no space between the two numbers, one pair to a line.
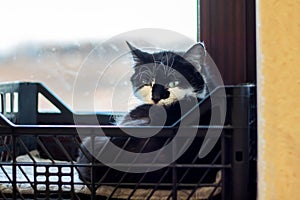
[165,77]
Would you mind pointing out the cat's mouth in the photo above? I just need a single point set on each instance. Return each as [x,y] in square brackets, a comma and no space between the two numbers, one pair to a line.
[163,102]
[155,101]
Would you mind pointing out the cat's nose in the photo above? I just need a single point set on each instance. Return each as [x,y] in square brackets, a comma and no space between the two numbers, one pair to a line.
[157,97]
[159,92]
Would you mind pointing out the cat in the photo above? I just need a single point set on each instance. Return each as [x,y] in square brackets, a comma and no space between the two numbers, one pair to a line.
[165,82]
[166,79]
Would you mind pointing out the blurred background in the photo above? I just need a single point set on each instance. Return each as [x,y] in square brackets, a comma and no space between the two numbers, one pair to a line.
[67,44]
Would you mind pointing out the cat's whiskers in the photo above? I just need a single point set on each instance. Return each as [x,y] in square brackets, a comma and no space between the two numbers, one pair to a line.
[145,72]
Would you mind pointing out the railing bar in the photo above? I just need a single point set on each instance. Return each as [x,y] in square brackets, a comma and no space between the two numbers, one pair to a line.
[26,149]
[204,175]
[40,143]
[125,173]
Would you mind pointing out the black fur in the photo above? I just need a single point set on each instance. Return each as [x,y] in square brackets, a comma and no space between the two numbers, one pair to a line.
[174,112]
[145,61]
[165,67]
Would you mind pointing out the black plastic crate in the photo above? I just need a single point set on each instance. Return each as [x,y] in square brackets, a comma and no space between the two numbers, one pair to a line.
[28,174]
[20,105]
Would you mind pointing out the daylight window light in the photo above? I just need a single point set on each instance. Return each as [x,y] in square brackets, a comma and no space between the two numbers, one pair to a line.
[55,20]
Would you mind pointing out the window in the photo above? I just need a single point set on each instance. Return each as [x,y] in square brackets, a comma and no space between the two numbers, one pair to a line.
[49,41]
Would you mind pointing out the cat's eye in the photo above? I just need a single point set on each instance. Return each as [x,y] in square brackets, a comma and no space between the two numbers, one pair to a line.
[173,84]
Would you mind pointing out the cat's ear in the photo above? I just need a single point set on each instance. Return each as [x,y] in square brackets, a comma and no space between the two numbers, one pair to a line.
[139,57]
[196,55]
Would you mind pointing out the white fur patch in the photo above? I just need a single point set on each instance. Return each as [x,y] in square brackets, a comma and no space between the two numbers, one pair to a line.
[145,94]
[176,94]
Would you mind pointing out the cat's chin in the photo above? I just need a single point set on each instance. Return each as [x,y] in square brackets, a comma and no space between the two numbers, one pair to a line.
[164,103]
[160,103]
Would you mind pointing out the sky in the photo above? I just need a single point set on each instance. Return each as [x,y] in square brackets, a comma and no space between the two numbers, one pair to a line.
[62,20]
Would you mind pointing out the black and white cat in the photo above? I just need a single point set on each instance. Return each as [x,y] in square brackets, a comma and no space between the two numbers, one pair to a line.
[165,81]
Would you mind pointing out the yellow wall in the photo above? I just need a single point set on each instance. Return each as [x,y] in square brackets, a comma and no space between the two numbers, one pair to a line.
[279,99]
